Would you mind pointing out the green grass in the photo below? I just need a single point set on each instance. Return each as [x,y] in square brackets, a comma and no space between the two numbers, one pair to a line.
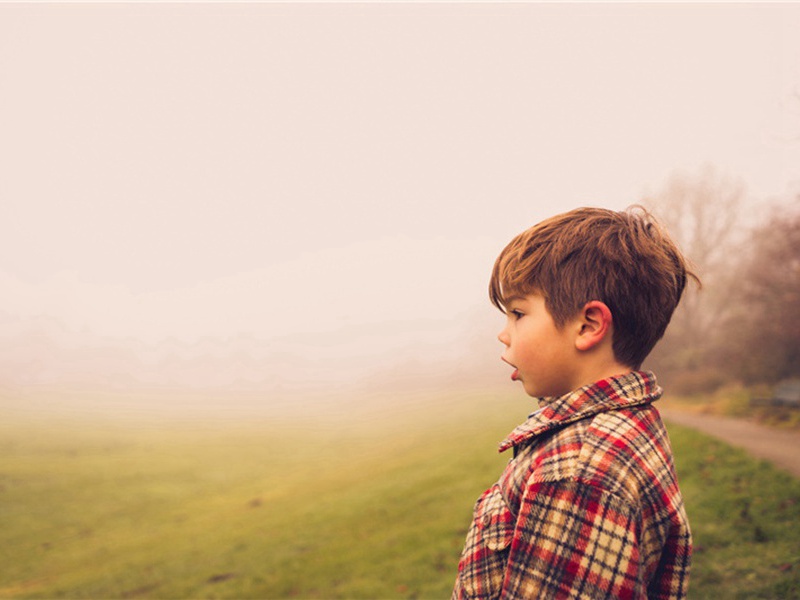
[326,508]
[745,517]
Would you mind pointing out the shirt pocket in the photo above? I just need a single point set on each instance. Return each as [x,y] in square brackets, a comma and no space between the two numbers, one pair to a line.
[483,563]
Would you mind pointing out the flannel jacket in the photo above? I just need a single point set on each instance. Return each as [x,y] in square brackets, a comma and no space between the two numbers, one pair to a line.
[589,507]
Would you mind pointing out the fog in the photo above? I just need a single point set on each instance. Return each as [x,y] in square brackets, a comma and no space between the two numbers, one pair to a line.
[287,200]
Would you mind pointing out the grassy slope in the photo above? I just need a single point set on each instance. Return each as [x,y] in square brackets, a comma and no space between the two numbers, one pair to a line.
[92,509]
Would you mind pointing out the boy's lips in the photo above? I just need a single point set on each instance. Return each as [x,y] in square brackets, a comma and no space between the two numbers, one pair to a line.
[515,374]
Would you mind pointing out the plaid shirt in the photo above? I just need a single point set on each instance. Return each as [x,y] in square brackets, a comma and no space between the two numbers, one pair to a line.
[589,507]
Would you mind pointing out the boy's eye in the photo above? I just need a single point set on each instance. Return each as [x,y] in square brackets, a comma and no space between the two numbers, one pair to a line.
[517,314]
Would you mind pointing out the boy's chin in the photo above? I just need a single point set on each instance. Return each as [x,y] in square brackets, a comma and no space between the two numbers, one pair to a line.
[532,391]
[535,391]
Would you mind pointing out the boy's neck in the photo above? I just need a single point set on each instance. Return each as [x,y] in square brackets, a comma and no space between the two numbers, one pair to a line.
[598,370]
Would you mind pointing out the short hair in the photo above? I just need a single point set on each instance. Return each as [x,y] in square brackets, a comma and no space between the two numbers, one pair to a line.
[623,259]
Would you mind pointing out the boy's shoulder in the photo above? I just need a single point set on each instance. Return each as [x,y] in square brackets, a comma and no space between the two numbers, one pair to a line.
[598,447]
[619,445]
[627,452]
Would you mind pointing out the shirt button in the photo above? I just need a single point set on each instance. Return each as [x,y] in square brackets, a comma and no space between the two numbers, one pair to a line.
[487,519]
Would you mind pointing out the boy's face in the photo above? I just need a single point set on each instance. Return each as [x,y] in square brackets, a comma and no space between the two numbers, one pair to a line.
[544,357]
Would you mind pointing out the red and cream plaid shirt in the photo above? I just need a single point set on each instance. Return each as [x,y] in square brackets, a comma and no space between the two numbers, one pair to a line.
[589,507]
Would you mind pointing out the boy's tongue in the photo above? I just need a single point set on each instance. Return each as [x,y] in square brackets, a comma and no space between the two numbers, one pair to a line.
[515,375]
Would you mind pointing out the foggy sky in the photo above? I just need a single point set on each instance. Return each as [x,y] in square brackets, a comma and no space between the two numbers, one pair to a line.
[302,172]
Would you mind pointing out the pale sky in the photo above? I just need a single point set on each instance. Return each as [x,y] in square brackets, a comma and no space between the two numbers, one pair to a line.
[188,170]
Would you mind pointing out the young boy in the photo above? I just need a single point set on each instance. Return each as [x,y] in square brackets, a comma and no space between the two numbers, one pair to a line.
[589,507]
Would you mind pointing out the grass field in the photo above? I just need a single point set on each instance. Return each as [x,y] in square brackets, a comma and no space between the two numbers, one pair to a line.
[370,507]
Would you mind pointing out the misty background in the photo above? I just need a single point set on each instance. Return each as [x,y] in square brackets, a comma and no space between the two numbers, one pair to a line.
[263,206]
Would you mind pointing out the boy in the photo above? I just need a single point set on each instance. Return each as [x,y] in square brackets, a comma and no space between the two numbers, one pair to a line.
[589,507]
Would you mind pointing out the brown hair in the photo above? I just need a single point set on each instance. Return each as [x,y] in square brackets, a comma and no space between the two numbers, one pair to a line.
[623,259]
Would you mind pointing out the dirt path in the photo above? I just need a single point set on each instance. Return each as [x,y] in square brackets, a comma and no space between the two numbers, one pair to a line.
[781,448]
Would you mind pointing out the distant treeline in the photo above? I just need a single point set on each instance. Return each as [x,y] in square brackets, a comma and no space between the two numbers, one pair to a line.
[742,324]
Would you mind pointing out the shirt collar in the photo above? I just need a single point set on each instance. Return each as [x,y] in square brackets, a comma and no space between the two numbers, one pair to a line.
[631,389]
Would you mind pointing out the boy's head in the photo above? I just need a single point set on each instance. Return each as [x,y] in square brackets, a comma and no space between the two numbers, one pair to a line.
[623,260]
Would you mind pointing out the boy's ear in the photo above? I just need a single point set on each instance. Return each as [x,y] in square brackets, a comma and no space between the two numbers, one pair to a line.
[595,322]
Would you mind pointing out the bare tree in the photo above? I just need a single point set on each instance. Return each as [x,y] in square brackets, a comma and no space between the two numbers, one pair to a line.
[763,332]
[701,212]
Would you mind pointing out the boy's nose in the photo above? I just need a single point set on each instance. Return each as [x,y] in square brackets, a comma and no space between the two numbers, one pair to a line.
[503,337]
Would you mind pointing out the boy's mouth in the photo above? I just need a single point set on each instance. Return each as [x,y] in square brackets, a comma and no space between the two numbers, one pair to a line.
[515,374]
